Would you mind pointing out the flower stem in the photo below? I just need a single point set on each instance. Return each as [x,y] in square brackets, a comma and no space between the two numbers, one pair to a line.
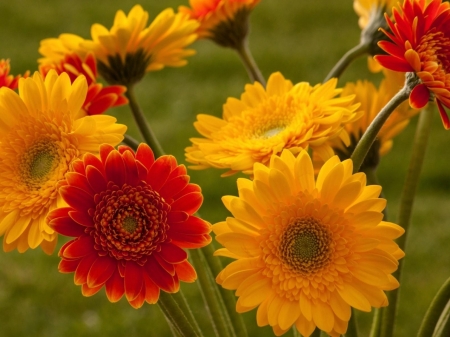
[345,60]
[142,124]
[215,306]
[131,142]
[352,330]
[376,323]
[443,325]
[367,139]
[435,310]
[228,297]
[405,210]
[175,315]
[249,62]
[182,303]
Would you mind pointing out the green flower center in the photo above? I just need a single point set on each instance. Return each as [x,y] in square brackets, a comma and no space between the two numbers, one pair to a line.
[38,163]
[129,224]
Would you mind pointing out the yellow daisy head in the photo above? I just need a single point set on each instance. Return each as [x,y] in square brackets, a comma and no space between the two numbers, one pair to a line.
[43,129]
[130,49]
[55,50]
[372,101]
[306,250]
[223,21]
[266,121]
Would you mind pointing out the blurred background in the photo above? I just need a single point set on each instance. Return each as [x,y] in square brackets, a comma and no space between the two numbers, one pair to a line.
[302,39]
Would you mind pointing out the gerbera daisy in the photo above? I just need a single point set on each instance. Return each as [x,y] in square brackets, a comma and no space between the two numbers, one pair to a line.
[266,121]
[43,129]
[372,101]
[223,21]
[131,216]
[420,44]
[6,79]
[129,49]
[307,250]
[65,55]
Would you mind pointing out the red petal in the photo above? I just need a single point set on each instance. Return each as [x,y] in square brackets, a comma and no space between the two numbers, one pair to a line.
[159,172]
[58,213]
[192,226]
[174,217]
[189,203]
[174,186]
[444,116]
[82,271]
[105,150]
[77,198]
[190,241]
[134,281]
[68,266]
[151,290]
[101,103]
[66,226]
[115,169]
[172,253]
[145,155]
[78,180]
[96,179]
[393,63]
[123,148]
[86,291]
[82,218]
[90,159]
[139,300]
[159,276]
[190,188]
[78,166]
[168,267]
[93,91]
[114,287]
[79,247]
[178,171]
[186,272]
[419,96]
[130,165]
[100,272]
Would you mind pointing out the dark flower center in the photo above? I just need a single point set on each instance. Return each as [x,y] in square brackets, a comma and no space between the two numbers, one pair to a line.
[130,222]
[305,245]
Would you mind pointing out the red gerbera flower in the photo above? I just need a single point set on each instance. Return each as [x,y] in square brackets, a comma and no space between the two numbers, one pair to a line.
[7,80]
[131,216]
[421,44]
[99,98]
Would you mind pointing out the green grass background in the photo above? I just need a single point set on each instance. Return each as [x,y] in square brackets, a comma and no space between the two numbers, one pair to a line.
[302,39]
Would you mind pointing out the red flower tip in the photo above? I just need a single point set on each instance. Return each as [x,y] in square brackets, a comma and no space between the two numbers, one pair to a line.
[7,80]
[419,96]
[130,224]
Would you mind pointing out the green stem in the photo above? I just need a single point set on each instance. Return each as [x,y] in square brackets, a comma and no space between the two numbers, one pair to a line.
[131,142]
[367,139]
[352,330]
[184,306]
[295,332]
[376,323]
[443,325]
[437,307]
[175,315]
[228,296]
[142,124]
[317,333]
[405,211]
[345,60]
[249,62]
[211,296]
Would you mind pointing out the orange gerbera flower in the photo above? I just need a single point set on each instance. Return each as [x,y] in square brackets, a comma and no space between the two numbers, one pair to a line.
[131,216]
[420,43]
[223,21]
[7,80]
[64,55]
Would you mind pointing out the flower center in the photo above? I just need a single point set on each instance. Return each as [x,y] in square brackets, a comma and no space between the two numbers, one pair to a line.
[305,245]
[130,222]
[434,47]
[38,162]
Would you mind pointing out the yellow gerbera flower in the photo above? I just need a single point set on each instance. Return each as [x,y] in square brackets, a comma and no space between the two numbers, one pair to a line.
[266,121]
[223,21]
[128,50]
[307,250]
[55,50]
[372,101]
[43,129]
